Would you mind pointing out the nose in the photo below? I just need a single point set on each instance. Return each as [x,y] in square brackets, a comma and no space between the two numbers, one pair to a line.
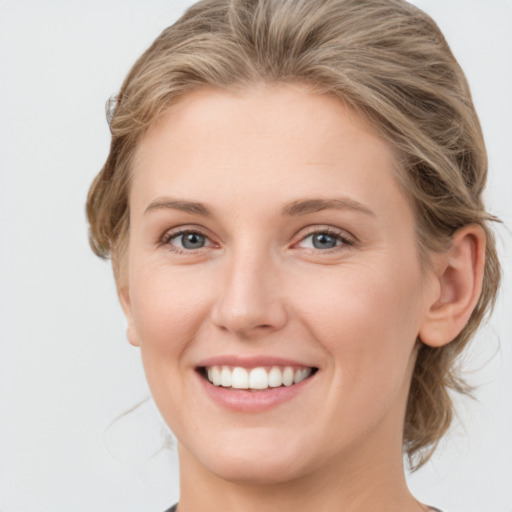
[249,302]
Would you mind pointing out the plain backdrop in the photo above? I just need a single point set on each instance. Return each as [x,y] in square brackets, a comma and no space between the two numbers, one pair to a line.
[66,370]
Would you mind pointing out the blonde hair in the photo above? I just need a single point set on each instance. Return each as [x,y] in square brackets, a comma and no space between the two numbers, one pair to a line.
[385,58]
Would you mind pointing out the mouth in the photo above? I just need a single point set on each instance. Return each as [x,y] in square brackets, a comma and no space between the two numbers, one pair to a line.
[259,378]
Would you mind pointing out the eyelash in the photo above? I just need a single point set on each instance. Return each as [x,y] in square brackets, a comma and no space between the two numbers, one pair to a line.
[166,240]
[343,240]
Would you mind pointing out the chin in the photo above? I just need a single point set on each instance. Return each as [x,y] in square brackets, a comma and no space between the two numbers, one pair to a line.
[252,463]
[258,472]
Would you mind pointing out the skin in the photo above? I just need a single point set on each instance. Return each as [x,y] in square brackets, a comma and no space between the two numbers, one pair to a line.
[259,286]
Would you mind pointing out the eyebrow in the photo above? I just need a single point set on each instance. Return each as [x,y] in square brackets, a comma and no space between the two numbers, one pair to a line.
[295,208]
[305,206]
[179,204]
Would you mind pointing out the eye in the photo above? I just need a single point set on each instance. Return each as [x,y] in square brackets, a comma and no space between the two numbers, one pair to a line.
[187,240]
[324,240]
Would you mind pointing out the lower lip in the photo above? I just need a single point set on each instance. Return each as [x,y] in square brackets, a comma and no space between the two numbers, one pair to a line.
[242,400]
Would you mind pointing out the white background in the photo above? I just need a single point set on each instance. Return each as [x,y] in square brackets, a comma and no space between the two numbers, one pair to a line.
[66,370]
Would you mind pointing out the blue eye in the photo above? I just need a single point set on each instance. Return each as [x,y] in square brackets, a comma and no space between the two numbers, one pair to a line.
[324,240]
[189,240]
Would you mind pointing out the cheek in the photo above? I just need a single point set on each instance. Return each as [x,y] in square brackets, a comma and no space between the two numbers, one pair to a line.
[367,319]
[358,299]
[168,308]
[168,311]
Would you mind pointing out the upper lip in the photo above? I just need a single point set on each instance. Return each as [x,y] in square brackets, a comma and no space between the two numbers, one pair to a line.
[251,362]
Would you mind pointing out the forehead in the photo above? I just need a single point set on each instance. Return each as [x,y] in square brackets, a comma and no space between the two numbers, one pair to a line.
[272,141]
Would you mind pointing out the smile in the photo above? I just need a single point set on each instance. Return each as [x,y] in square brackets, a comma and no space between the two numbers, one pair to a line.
[257,378]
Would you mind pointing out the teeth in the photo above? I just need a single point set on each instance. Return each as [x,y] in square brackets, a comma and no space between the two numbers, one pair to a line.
[275,377]
[225,377]
[288,376]
[301,374]
[256,378]
[216,379]
[239,377]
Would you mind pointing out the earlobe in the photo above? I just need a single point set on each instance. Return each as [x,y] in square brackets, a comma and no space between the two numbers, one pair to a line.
[459,273]
[124,299]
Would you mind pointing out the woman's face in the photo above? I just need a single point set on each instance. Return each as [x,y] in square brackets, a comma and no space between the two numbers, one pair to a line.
[269,241]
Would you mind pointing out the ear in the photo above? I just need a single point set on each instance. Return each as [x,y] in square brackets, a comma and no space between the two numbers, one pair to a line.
[124,299]
[459,274]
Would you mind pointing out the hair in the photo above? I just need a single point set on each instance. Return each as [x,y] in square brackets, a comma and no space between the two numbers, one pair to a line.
[387,60]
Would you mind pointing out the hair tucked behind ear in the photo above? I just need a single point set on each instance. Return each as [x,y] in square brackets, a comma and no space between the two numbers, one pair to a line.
[385,58]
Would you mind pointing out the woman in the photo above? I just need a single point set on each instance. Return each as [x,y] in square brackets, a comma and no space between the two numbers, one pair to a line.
[293,207]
